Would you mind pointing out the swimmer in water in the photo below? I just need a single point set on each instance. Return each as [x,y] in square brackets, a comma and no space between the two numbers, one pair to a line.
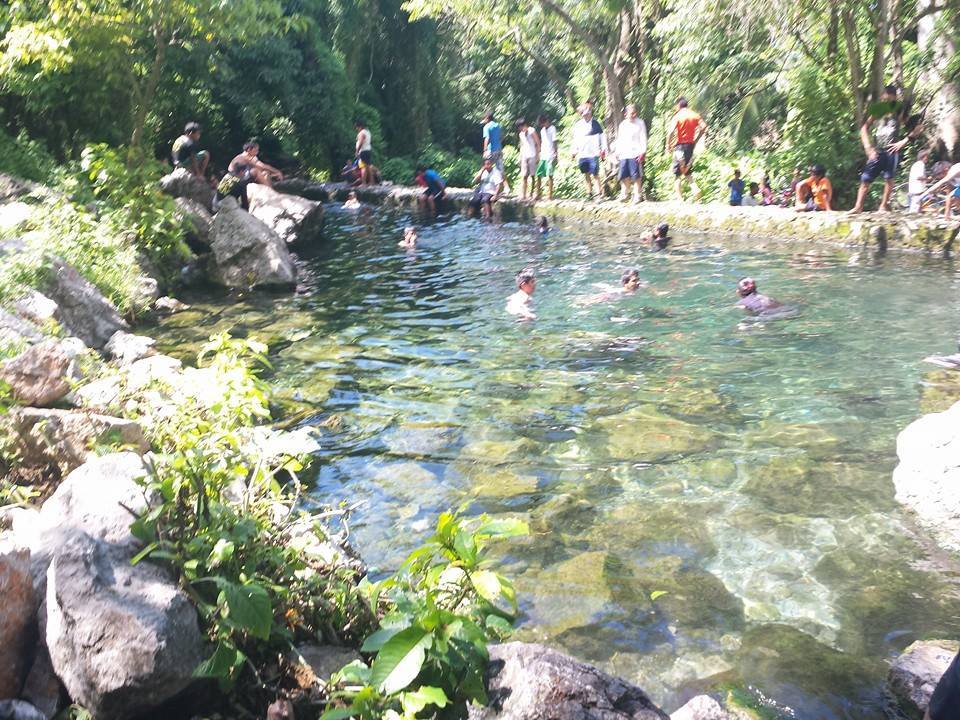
[521,302]
[543,226]
[409,237]
[659,238]
[629,283]
[751,300]
[352,202]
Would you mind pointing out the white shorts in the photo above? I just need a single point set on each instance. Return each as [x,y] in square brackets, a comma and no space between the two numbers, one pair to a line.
[915,202]
[528,167]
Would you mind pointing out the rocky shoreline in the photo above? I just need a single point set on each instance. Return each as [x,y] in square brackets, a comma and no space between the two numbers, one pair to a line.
[81,623]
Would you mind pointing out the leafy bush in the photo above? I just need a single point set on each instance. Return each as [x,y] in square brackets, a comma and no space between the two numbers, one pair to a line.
[398,170]
[26,158]
[228,526]
[443,607]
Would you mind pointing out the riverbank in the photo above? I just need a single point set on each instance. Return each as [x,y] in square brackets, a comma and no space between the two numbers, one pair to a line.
[875,231]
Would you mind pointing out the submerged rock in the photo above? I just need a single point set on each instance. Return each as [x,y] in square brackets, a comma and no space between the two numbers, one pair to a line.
[928,476]
[702,707]
[914,675]
[246,252]
[292,218]
[644,434]
[531,682]
[182,183]
[123,638]
[551,590]
[39,375]
[16,616]
[84,311]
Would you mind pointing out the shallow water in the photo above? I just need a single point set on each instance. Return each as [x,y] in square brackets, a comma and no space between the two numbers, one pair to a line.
[659,444]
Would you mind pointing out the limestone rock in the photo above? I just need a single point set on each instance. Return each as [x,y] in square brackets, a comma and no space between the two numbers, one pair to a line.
[127,348]
[123,638]
[13,187]
[927,478]
[20,710]
[38,375]
[35,307]
[42,687]
[84,311]
[65,437]
[246,252]
[182,183]
[15,331]
[169,305]
[292,218]
[312,665]
[16,616]
[304,188]
[914,675]
[702,707]
[197,219]
[532,682]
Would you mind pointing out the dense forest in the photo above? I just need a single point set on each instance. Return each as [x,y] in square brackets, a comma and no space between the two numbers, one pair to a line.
[779,85]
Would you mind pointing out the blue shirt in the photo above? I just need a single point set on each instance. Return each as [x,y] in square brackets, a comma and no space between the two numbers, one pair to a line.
[736,190]
[491,133]
[433,180]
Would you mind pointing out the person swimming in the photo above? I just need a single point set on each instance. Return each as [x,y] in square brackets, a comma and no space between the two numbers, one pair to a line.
[352,202]
[659,237]
[629,283]
[409,237]
[521,302]
[751,300]
[543,225]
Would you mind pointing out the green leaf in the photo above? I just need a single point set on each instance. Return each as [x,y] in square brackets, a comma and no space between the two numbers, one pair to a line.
[499,625]
[221,553]
[399,661]
[506,527]
[487,585]
[416,700]
[221,664]
[658,593]
[377,640]
[249,607]
[339,714]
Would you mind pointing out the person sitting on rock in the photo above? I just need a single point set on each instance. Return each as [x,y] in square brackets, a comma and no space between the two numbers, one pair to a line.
[244,169]
[186,152]
[521,302]
[410,238]
[751,300]
[434,187]
[489,183]
[816,192]
[659,238]
[353,202]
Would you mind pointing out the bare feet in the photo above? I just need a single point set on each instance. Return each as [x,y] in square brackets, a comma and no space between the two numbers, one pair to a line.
[855,211]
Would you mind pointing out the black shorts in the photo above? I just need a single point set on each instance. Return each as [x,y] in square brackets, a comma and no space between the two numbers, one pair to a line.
[366,156]
[479,199]
[884,165]
[945,702]
[434,192]
[682,157]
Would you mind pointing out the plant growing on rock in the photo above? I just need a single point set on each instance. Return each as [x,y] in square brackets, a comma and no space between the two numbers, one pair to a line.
[442,608]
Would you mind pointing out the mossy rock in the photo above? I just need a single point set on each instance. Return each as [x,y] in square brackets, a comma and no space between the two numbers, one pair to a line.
[816,441]
[492,482]
[497,451]
[696,404]
[644,529]
[568,594]
[644,434]
[940,390]
[563,514]
[420,439]
[407,480]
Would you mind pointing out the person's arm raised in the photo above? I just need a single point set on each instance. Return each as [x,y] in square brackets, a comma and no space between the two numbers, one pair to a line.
[865,140]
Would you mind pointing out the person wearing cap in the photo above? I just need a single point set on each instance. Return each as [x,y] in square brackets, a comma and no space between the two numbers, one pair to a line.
[186,152]
[751,300]
[814,193]
[521,302]
[659,237]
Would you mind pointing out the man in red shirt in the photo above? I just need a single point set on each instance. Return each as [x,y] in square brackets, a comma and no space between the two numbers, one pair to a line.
[684,132]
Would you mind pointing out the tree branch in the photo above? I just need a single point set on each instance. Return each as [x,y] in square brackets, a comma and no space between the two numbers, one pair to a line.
[549,69]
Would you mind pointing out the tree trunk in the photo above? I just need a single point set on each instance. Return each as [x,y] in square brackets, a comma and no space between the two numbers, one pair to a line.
[147,97]
[881,32]
[945,108]
[849,20]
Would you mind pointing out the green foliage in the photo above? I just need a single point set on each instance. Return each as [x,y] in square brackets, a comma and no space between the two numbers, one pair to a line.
[26,158]
[398,170]
[443,607]
[234,533]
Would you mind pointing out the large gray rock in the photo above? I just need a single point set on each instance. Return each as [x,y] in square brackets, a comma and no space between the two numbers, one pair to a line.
[291,217]
[35,307]
[927,480]
[13,187]
[702,707]
[304,188]
[532,682]
[20,710]
[39,375]
[65,437]
[197,219]
[123,638]
[15,331]
[247,253]
[183,183]
[17,613]
[84,311]
[127,348]
[914,675]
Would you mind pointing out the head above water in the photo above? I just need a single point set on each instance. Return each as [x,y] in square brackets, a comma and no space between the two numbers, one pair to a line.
[746,286]
[526,280]
[410,233]
[542,224]
[352,195]
[630,279]
[661,230]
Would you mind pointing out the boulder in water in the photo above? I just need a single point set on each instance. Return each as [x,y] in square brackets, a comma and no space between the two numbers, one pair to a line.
[182,183]
[292,218]
[702,707]
[644,434]
[247,253]
[914,675]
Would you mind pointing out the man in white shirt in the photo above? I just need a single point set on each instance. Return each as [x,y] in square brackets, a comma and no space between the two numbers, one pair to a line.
[489,182]
[529,143]
[918,180]
[548,155]
[631,147]
[589,148]
[521,302]
[364,153]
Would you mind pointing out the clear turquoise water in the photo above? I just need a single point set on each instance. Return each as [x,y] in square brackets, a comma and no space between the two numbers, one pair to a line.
[658,444]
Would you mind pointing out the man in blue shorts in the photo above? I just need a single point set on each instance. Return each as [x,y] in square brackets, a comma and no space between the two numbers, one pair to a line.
[879,137]
[631,146]
[589,148]
[433,184]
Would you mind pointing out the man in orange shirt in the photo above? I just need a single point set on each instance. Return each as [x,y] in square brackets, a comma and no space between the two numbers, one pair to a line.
[684,132]
[816,192]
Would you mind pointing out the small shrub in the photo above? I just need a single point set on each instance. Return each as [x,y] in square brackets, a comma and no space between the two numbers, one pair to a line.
[26,158]
[398,170]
